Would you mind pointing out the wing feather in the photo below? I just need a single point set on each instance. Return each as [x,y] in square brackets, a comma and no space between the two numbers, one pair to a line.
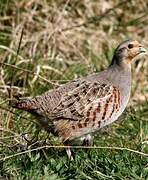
[74,104]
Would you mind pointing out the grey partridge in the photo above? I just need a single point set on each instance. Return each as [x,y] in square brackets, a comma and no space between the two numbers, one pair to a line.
[85,105]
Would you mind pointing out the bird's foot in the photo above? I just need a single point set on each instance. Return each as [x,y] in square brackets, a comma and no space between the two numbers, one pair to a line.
[87,140]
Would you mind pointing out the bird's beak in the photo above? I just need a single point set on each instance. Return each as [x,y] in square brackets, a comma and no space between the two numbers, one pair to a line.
[142,50]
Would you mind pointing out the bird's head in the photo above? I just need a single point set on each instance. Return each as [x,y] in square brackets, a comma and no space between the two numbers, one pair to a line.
[126,52]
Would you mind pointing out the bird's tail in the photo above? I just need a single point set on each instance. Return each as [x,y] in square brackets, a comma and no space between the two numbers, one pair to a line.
[32,106]
[25,104]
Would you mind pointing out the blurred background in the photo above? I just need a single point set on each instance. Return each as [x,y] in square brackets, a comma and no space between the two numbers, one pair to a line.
[47,43]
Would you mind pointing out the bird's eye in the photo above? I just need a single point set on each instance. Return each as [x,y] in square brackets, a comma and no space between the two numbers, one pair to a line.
[130,46]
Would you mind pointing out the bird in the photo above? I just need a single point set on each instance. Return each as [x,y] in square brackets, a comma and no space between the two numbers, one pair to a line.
[82,106]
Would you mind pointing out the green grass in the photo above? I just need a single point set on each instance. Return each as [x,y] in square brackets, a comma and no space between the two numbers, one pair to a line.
[101,163]
[44,60]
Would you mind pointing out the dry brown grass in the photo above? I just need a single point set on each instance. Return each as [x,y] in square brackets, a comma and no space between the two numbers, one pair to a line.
[51,42]
[41,42]
[43,39]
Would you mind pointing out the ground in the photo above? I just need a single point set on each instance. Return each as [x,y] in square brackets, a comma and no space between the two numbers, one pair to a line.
[47,43]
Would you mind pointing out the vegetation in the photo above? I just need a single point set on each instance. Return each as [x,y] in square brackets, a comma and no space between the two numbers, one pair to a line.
[46,43]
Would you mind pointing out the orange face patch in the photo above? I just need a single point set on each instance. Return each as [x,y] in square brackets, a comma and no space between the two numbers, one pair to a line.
[134,50]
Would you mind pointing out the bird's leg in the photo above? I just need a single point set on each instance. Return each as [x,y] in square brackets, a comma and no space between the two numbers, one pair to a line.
[24,137]
[68,150]
[87,140]
[33,139]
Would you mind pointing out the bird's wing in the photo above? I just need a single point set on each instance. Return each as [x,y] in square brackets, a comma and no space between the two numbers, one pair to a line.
[75,104]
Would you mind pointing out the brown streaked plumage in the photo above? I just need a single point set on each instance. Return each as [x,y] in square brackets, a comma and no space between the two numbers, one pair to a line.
[85,105]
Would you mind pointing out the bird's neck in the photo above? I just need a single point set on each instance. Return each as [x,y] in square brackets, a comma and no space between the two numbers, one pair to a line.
[123,65]
[120,74]
[122,68]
